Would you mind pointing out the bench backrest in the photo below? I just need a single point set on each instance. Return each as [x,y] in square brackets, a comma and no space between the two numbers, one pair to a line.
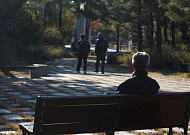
[106,113]
[78,114]
[155,111]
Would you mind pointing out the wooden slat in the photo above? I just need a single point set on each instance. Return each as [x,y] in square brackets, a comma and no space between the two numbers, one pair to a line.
[75,128]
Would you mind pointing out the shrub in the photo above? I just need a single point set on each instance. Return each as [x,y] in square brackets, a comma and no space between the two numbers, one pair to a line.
[59,52]
[55,52]
[125,58]
[53,36]
[21,54]
[178,54]
[24,27]
[120,58]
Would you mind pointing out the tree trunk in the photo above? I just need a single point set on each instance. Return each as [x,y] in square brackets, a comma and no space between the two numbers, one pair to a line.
[151,30]
[159,38]
[4,54]
[148,32]
[184,31]
[173,33]
[118,40]
[60,15]
[88,21]
[165,29]
[139,25]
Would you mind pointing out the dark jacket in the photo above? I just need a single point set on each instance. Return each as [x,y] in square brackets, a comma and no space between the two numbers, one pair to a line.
[101,46]
[139,84]
[83,47]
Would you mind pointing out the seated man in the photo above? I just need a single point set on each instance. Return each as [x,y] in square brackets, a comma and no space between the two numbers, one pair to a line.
[140,83]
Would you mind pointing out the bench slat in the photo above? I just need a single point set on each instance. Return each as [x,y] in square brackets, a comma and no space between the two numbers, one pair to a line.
[80,114]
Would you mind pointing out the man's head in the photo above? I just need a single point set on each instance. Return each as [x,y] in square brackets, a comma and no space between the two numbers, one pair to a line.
[140,61]
[99,35]
[82,36]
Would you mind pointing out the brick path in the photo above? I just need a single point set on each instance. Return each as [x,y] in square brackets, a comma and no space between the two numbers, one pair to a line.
[18,96]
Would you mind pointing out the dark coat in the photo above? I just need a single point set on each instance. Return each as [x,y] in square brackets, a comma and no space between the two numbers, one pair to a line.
[139,84]
[101,46]
[83,47]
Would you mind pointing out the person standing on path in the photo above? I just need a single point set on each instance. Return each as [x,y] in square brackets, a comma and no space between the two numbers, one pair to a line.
[140,83]
[83,49]
[100,50]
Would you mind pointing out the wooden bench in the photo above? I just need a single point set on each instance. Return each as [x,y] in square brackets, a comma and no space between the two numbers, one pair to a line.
[35,71]
[109,113]
[42,69]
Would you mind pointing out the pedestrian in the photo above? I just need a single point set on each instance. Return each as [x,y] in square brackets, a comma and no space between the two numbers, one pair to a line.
[100,51]
[83,49]
[140,83]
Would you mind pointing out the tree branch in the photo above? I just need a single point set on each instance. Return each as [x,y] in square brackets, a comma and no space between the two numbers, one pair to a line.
[17,6]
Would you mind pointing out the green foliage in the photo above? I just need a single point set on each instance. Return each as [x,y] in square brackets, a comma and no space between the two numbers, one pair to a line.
[125,59]
[169,54]
[59,20]
[23,27]
[68,26]
[21,54]
[59,52]
[52,36]
[108,31]
[120,58]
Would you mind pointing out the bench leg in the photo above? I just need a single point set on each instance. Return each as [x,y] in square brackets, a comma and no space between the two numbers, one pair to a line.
[34,73]
[185,130]
[170,131]
[109,133]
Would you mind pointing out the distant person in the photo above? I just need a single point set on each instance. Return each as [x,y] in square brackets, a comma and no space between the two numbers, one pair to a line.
[100,50]
[83,49]
[140,83]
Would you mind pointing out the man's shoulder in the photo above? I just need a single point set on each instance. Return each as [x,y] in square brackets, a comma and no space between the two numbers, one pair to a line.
[86,41]
[98,40]
[128,81]
[83,41]
[151,79]
[79,41]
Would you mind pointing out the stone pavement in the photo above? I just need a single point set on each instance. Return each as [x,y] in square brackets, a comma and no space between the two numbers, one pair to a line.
[18,95]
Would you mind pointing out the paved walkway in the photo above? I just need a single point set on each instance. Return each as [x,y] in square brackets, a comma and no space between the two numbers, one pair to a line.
[18,96]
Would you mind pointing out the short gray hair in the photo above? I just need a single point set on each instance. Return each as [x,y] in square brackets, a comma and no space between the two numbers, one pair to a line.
[141,60]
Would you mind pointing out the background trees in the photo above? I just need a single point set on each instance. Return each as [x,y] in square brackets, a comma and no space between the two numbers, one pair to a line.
[27,26]
[7,9]
[155,26]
